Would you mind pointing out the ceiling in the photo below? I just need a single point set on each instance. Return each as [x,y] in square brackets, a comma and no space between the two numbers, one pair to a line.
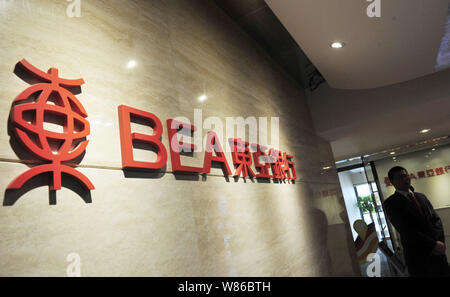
[361,122]
[401,45]
[391,80]
[260,23]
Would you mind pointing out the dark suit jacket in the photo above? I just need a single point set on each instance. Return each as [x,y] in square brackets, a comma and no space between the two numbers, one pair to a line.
[418,233]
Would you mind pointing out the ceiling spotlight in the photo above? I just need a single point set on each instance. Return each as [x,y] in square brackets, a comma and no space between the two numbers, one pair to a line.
[392,153]
[425,131]
[326,168]
[337,44]
[202,98]
[131,64]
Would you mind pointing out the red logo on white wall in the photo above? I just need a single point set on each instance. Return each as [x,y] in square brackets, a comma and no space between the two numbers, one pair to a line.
[50,99]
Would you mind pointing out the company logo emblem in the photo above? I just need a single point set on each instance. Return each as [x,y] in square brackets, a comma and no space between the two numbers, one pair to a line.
[50,102]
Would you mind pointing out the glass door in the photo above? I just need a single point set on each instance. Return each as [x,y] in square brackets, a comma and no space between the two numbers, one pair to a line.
[381,224]
[363,203]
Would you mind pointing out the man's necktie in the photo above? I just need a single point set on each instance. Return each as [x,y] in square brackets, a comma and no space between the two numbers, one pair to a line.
[413,199]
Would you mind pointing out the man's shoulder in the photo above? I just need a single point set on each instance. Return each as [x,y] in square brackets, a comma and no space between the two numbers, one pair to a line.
[392,200]
[420,194]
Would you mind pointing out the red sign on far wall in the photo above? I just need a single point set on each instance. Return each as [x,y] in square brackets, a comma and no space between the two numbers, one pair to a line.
[424,174]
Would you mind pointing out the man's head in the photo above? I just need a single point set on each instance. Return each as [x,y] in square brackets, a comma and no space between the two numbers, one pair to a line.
[399,178]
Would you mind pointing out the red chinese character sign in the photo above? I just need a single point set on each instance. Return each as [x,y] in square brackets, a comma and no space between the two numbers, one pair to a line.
[242,158]
[423,174]
[258,156]
[50,98]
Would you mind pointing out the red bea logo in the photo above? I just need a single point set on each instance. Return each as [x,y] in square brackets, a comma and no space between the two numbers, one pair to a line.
[52,97]
[35,103]
[280,163]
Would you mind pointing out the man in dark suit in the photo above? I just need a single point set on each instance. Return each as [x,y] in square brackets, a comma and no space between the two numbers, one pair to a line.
[420,228]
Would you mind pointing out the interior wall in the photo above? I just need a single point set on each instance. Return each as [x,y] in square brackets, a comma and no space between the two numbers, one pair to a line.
[147,224]
[435,181]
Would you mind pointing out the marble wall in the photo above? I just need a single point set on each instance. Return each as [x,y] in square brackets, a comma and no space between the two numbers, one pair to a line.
[146,224]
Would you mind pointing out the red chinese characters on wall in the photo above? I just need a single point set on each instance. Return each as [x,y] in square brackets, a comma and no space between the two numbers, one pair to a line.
[262,168]
[279,163]
[282,165]
[242,157]
[50,99]
[423,174]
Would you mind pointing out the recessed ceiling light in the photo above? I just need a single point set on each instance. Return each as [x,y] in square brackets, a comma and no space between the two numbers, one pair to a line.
[392,153]
[326,168]
[337,44]
[425,131]
[202,98]
[131,64]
